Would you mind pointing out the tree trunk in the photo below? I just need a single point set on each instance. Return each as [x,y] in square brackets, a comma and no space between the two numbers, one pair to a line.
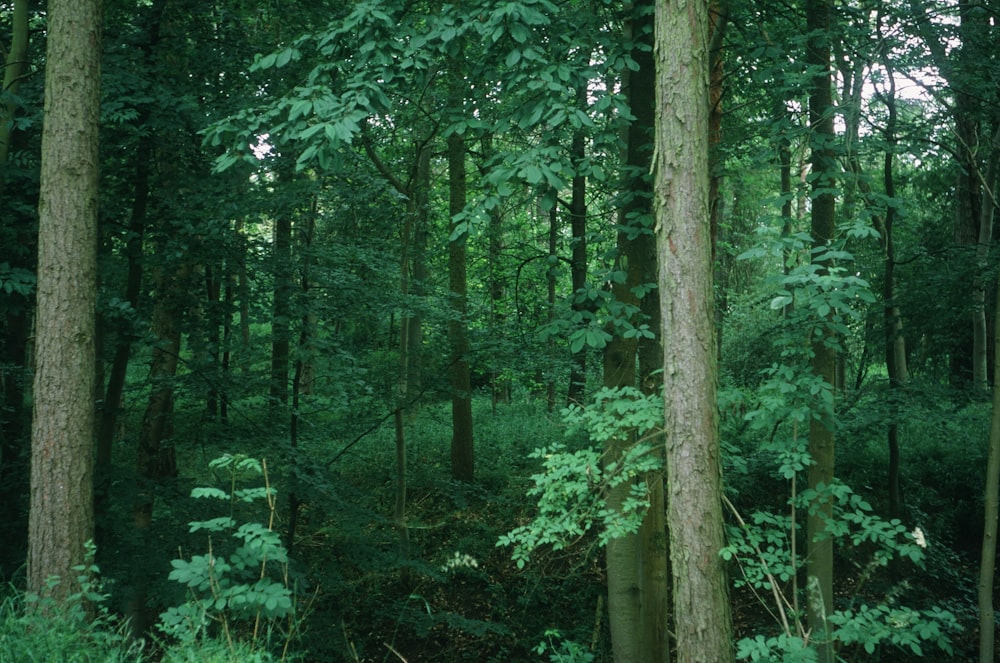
[987,564]
[499,383]
[702,620]
[819,567]
[281,319]
[214,276]
[637,571]
[14,66]
[625,591]
[156,460]
[987,205]
[418,287]
[61,518]
[133,287]
[14,417]
[303,363]
[550,300]
[578,260]
[243,293]
[112,401]
[462,456]
[895,343]
[228,309]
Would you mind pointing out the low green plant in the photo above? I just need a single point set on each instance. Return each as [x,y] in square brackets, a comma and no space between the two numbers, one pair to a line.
[78,629]
[571,490]
[560,650]
[821,301]
[240,585]
[765,551]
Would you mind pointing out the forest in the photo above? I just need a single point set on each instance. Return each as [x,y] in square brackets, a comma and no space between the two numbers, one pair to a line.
[625,331]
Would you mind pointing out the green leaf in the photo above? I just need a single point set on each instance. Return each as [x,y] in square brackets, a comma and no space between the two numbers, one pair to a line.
[284,57]
[209,492]
[532,174]
[220,524]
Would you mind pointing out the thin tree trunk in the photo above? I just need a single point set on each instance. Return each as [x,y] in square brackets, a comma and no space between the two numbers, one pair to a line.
[637,571]
[15,65]
[213,318]
[987,564]
[61,518]
[14,418]
[112,399]
[550,300]
[418,288]
[156,461]
[303,362]
[462,456]
[578,260]
[228,296]
[819,567]
[895,343]
[13,412]
[281,319]
[987,206]
[623,568]
[702,620]
[243,293]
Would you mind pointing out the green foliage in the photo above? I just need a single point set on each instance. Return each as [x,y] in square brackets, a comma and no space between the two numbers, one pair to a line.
[783,647]
[822,300]
[572,489]
[588,319]
[227,590]
[560,650]
[16,280]
[822,296]
[902,628]
[79,629]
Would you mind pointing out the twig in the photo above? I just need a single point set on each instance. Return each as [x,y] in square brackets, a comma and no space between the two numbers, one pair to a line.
[398,655]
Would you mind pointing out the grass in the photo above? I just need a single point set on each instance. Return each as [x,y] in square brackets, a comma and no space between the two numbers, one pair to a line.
[62,634]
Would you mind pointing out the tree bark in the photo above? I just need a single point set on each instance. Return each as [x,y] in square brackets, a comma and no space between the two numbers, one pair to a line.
[578,259]
[144,157]
[14,417]
[14,66]
[987,564]
[462,453]
[819,567]
[702,620]
[895,342]
[303,363]
[638,578]
[281,319]
[550,301]
[61,518]
[625,591]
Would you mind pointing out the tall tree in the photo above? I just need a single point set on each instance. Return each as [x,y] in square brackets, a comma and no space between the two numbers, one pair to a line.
[462,451]
[895,342]
[638,580]
[578,261]
[703,624]
[15,323]
[987,564]
[15,63]
[61,519]
[143,166]
[281,303]
[824,356]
